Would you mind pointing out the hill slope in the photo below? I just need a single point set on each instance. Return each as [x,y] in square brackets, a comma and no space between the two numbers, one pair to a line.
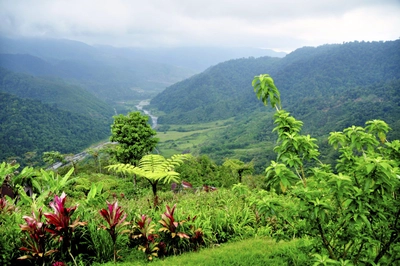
[113,74]
[55,92]
[329,88]
[217,93]
[28,125]
[307,74]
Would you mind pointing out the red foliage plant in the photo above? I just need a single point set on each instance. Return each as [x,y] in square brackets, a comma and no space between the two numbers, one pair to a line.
[60,221]
[169,223]
[143,231]
[35,244]
[114,216]
[5,206]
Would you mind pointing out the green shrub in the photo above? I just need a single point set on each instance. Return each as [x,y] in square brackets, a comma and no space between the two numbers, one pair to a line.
[10,236]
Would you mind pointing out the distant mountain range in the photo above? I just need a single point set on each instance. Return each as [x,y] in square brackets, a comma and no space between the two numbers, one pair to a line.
[114,74]
[196,58]
[112,78]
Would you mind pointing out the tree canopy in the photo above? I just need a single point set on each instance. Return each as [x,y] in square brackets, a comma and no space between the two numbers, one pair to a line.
[135,137]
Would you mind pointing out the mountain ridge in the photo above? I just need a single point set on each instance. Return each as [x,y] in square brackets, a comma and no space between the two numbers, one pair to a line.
[114,74]
[306,72]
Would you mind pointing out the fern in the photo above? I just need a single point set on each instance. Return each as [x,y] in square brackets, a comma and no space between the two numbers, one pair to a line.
[153,168]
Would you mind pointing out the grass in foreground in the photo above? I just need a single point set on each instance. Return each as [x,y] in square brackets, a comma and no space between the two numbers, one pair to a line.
[253,251]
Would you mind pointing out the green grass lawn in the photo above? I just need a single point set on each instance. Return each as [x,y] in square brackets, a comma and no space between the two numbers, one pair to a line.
[253,251]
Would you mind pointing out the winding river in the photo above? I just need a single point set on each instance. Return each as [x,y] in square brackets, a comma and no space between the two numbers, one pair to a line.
[153,118]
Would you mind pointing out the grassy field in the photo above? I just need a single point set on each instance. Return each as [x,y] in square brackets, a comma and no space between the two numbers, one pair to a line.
[197,138]
[253,251]
[181,138]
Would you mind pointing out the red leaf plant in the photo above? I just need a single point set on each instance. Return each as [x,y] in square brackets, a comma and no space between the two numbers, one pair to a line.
[35,243]
[143,235]
[197,238]
[170,229]
[170,225]
[6,207]
[197,235]
[114,217]
[59,222]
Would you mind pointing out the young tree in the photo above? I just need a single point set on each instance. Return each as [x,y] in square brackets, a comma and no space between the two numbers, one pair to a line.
[238,167]
[52,157]
[354,213]
[135,138]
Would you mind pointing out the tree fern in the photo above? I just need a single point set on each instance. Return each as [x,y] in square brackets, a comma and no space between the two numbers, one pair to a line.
[153,168]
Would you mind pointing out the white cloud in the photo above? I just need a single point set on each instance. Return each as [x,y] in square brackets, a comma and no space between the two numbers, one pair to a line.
[278,24]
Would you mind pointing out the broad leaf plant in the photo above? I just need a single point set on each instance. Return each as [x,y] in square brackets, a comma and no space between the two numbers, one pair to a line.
[352,208]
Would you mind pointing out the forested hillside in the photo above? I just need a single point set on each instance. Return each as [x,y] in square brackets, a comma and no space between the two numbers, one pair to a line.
[305,75]
[56,92]
[43,114]
[328,87]
[28,125]
[217,93]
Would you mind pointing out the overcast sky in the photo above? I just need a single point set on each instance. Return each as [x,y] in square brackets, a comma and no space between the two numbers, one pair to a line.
[276,24]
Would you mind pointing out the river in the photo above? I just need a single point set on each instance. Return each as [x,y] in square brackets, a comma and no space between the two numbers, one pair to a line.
[153,118]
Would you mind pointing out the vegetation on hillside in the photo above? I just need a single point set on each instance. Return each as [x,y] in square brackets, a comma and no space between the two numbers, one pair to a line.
[314,80]
[28,128]
[55,92]
[330,87]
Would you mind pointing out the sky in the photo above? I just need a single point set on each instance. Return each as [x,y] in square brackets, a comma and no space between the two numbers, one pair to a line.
[281,25]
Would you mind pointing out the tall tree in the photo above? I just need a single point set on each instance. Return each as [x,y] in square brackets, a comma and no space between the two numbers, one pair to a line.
[135,138]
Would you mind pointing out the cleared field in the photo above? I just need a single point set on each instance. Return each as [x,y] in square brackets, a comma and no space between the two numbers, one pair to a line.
[184,138]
